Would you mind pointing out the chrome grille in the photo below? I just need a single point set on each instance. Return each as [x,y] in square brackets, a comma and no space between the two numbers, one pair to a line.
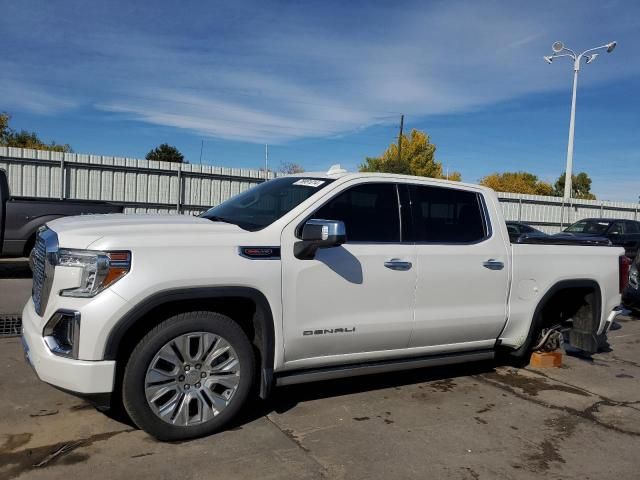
[38,258]
[43,263]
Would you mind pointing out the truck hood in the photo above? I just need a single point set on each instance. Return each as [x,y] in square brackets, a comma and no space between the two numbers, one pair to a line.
[121,230]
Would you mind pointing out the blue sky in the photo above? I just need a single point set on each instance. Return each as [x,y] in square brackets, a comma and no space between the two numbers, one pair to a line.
[325,82]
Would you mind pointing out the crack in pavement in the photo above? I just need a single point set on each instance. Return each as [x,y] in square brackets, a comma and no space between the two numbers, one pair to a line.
[324,471]
[630,404]
[587,414]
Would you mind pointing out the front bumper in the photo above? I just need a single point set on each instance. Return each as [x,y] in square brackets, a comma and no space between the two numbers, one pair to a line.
[78,376]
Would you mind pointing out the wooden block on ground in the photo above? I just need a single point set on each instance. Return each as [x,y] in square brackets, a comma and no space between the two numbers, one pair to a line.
[546,359]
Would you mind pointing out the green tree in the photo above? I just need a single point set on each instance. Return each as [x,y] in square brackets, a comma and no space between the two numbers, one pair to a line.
[418,158]
[24,139]
[517,182]
[580,186]
[290,167]
[165,153]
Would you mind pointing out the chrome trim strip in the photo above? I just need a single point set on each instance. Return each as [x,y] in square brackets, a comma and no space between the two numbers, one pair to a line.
[342,371]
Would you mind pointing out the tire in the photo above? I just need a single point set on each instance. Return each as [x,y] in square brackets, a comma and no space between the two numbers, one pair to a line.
[177,385]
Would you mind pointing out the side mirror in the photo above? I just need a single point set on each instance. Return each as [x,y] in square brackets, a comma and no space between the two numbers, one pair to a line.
[317,234]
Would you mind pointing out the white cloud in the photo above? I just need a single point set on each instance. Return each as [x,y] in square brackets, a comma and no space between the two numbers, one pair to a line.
[267,74]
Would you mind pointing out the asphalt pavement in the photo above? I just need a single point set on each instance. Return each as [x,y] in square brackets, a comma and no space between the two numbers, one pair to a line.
[477,421]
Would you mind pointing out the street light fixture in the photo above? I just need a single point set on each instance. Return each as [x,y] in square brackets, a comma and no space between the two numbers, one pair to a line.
[558,48]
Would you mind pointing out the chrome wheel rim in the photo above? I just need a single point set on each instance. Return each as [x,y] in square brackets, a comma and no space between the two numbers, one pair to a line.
[192,379]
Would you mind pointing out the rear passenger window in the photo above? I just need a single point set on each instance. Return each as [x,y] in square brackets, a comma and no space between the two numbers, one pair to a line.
[446,215]
[370,213]
[633,227]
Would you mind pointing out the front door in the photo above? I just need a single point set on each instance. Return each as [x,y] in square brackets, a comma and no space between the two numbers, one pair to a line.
[353,299]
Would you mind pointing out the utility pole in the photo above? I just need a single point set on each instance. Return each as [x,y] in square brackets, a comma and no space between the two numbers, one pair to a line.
[266,161]
[400,138]
[201,148]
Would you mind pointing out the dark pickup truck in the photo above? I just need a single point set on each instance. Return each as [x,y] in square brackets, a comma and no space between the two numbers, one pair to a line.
[621,233]
[20,217]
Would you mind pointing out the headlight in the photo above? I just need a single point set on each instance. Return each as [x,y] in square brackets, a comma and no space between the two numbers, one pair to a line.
[99,270]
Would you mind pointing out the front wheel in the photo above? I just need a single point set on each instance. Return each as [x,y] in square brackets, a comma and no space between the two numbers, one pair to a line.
[189,376]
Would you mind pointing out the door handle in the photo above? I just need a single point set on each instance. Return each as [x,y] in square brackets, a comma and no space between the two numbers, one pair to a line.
[493,264]
[397,264]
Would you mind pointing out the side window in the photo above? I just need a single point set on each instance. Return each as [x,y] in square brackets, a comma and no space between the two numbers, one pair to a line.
[369,211]
[632,227]
[617,228]
[446,215]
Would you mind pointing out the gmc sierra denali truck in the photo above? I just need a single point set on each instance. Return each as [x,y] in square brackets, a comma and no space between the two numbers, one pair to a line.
[20,217]
[302,278]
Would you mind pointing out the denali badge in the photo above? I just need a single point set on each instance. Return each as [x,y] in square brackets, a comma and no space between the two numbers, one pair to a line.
[328,330]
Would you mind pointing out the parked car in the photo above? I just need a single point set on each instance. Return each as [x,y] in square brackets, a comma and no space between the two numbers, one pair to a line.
[621,233]
[301,278]
[20,217]
[516,229]
[631,294]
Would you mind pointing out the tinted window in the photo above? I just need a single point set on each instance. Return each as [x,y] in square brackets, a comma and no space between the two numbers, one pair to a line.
[632,227]
[617,228]
[594,227]
[370,213]
[446,215]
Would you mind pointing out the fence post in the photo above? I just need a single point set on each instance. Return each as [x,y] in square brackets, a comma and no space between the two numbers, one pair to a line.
[179,188]
[63,186]
[520,208]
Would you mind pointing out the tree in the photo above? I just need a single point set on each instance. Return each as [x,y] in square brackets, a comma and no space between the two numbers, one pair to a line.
[580,186]
[290,167]
[24,139]
[417,158]
[517,182]
[165,153]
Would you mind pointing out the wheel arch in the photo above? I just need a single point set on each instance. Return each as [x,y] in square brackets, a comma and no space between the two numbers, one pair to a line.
[537,321]
[175,300]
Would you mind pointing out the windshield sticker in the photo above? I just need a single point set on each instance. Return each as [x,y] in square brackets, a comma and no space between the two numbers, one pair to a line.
[309,182]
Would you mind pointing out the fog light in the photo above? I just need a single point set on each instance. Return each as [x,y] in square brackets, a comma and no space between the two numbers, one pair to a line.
[62,333]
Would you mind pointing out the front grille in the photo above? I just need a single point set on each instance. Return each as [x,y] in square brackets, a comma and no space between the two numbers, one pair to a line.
[38,258]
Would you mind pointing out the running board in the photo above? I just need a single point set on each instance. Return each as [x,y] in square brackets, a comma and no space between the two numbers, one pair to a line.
[342,371]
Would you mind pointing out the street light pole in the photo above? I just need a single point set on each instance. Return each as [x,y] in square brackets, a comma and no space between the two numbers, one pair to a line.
[558,48]
[568,177]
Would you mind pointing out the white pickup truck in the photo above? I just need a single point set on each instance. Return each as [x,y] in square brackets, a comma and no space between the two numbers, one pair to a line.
[302,278]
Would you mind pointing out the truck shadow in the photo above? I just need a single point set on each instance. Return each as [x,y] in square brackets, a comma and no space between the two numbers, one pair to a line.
[14,268]
[287,398]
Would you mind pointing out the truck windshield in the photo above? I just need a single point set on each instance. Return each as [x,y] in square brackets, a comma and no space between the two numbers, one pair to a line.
[593,227]
[262,205]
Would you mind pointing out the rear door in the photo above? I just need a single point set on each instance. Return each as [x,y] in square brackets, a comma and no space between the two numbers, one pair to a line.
[462,285]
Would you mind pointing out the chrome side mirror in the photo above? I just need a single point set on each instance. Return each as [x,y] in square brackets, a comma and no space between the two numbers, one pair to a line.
[318,233]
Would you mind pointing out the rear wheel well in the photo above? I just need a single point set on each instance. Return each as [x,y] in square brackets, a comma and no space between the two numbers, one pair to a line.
[578,301]
[572,303]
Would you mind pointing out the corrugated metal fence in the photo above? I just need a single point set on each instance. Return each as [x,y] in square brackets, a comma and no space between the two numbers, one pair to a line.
[142,186]
[550,214]
[145,186]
